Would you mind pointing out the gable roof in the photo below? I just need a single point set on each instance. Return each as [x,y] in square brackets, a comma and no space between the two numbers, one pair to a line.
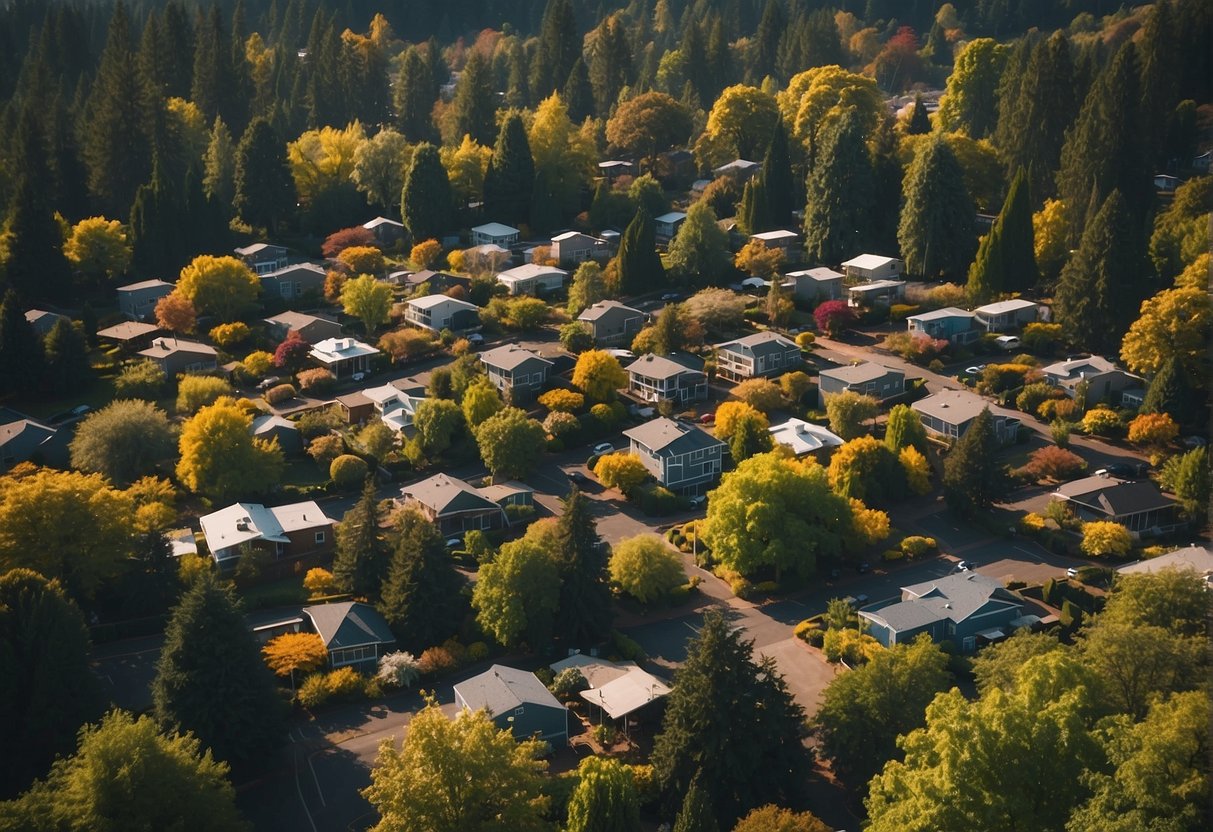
[495,229]
[1002,307]
[868,261]
[605,307]
[145,284]
[1196,558]
[1074,369]
[294,267]
[661,366]
[529,270]
[500,689]
[942,314]
[671,217]
[662,434]
[760,344]
[371,225]
[270,422]
[803,437]
[258,248]
[775,236]
[510,356]
[739,165]
[349,624]
[1113,496]
[246,522]
[164,347]
[434,301]
[444,495]
[951,598]
[25,429]
[819,273]
[955,407]
[859,373]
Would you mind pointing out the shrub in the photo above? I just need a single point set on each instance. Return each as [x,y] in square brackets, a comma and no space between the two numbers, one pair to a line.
[1101,421]
[805,627]
[228,335]
[568,683]
[848,645]
[919,348]
[741,587]
[657,501]
[605,414]
[998,378]
[344,238]
[1052,462]
[312,693]
[1103,537]
[1153,429]
[833,316]
[916,546]
[629,649]
[816,638]
[477,651]
[562,401]
[1040,338]
[1031,523]
[280,393]
[576,337]
[398,669]
[318,582]
[1034,395]
[766,586]
[805,340]
[342,683]
[901,311]
[325,449]
[140,380]
[317,381]
[560,425]
[437,660]
[622,470]
[892,554]
[362,260]
[347,470]
[196,392]
[759,393]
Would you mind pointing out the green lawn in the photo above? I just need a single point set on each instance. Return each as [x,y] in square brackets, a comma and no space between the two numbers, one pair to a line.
[278,593]
[96,394]
[304,472]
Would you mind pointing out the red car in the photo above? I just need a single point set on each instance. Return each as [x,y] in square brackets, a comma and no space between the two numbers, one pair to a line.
[707,418]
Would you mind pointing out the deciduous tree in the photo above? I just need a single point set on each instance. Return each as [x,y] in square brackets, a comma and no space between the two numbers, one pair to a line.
[517,593]
[222,286]
[1175,323]
[621,470]
[605,799]
[648,124]
[220,458]
[646,568]
[699,252]
[367,299]
[123,441]
[598,373]
[99,248]
[848,411]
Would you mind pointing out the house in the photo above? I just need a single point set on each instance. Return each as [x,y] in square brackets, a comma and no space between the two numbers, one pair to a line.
[876,293]
[965,609]
[573,247]
[743,169]
[344,356]
[1137,505]
[532,279]
[678,377]
[816,285]
[761,354]
[269,426]
[495,233]
[948,324]
[263,257]
[517,372]
[666,226]
[1165,183]
[356,408]
[612,169]
[387,232]
[394,407]
[870,267]
[131,336]
[436,281]
[290,531]
[618,689]
[682,457]
[676,164]
[1198,559]
[1103,380]
[453,505]
[516,701]
[947,415]
[786,241]
[612,323]
[439,312]
[174,356]
[354,633]
[507,494]
[138,300]
[805,438]
[311,328]
[867,378]
[42,321]
[1006,315]
[293,282]
[25,440]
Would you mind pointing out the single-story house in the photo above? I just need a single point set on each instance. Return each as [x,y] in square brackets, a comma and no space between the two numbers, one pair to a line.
[175,356]
[816,285]
[138,300]
[387,232]
[453,505]
[495,233]
[269,426]
[311,328]
[506,494]
[131,336]
[783,239]
[516,701]
[26,440]
[618,689]
[950,324]
[666,226]
[1006,315]
[573,247]
[761,354]
[394,407]
[804,438]
[743,169]
[947,415]
[682,457]
[516,371]
[614,168]
[612,323]
[532,279]
[872,267]
[1198,559]
[1103,379]
[439,312]
[263,257]
[960,608]
[1137,505]
[289,531]
[355,634]
[1165,183]
[876,293]
[42,321]
[867,378]
[678,377]
[344,356]
[356,408]
[293,282]
[437,281]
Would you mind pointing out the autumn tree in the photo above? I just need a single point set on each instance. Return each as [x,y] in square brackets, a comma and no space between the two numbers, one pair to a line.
[849,411]
[1187,476]
[379,164]
[970,102]
[646,568]
[833,316]
[290,652]
[867,470]
[599,375]
[699,252]
[480,401]
[425,253]
[175,312]
[517,593]
[367,299]
[904,429]
[1174,324]
[98,248]
[621,470]
[221,286]
[740,123]
[219,457]
[605,799]
[648,124]
[123,440]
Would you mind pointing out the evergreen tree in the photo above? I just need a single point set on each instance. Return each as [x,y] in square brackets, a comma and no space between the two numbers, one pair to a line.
[35,267]
[426,200]
[731,723]
[510,175]
[210,679]
[422,595]
[937,51]
[1176,391]
[696,812]
[640,266]
[475,102]
[156,230]
[766,39]
[545,202]
[517,86]
[578,93]
[1104,282]
[972,474]
[558,49]
[584,614]
[752,214]
[1006,257]
[936,230]
[361,560]
[265,189]
[67,366]
[88,322]
[777,181]
[220,164]
[699,251]
[840,193]
[669,329]
[920,123]
[414,98]
[1160,58]
[887,176]
[20,349]
[610,65]
[213,89]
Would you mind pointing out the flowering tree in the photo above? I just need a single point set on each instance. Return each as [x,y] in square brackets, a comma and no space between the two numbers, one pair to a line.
[833,316]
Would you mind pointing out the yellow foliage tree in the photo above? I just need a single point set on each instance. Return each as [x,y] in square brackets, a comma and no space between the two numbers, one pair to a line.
[918,470]
[870,525]
[318,582]
[758,260]
[221,459]
[221,286]
[563,154]
[562,401]
[1196,275]
[817,98]
[730,414]
[1175,322]
[466,166]
[362,260]
[425,254]
[368,300]
[599,375]
[1103,537]
[1050,229]
[289,652]
[740,124]
[98,247]
[621,470]
[1153,429]
[320,159]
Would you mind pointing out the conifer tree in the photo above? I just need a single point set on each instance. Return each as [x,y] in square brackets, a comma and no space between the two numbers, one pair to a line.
[475,102]
[972,474]
[214,85]
[558,49]
[35,266]
[887,176]
[699,251]
[426,200]
[220,164]
[669,329]
[640,266]
[1176,391]
[578,94]
[510,175]
[766,39]
[265,190]
[610,64]
[1160,58]
[517,84]
[210,679]
[584,613]
[157,230]
[66,357]
[936,230]
[752,214]
[1006,257]
[414,98]
[361,560]
[20,348]
[696,812]
[777,181]
[421,598]
[920,123]
[840,193]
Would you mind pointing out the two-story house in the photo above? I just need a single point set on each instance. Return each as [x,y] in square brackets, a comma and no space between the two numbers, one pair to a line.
[516,371]
[786,241]
[612,323]
[870,267]
[496,234]
[439,312]
[761,354]
[293,282]
[1006,315]
[680,456]
[394,407]
[816,285]
[454,506]
[678,377]
[867,378]
[876,293]
[966,609]
[572,247]
[666,227]
[957,326]
[289,531]
[311,328]
[947,415]
[138,300]
[263,258]
[532,279]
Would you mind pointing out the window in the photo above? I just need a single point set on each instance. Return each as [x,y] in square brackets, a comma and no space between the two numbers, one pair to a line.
[319,537]
[286,288]
[519,711]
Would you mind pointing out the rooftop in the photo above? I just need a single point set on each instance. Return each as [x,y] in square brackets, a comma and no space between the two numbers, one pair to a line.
[869,261]
[1076,368]
[378,221]
[432,301]
[529,270]
[819,273]
[804,437]
[760,343]
[500,689]
[601,308]
[1113,496]
[444,494]
[331,350]
[295,267]
[349,624]
[267,422]
[144,284]
[858,373]
[495,229]
[127,330]
[771,236]
[509,356]
[1002,307]
[162,347]
[955,407]
[953,597]
[662,366]
[941,314]
[876,286]
[1197,558]
[662,434]
[672,216]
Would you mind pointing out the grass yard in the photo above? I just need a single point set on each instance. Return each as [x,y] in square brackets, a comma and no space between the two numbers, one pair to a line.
[278,593]
[304,472]
[96,394]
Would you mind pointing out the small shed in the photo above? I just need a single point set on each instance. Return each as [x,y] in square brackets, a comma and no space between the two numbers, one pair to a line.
[516,701]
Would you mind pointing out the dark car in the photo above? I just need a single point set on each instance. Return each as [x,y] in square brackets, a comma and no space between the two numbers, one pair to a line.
[578,477]
[1124,470]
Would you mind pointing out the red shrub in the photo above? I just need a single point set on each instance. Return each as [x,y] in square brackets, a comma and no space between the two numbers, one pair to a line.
[338,241]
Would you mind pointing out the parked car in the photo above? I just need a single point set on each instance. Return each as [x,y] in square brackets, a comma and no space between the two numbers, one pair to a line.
[1007,342]
[603,448]
[975,370]
[964,566]
[453,543]
[578,477]
[856,601]
[621,354]
[1071,572]
[81,409]
[698,500]
[707,418]
[670,297]
[1124,470]
[268,382]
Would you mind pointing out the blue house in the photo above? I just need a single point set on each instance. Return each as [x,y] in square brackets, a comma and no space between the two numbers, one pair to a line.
[960,608]
[517,702]
[949,324]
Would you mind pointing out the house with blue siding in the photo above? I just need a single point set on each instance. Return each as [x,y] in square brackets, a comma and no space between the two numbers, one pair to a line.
[517,702]
[960,608]
[950,324]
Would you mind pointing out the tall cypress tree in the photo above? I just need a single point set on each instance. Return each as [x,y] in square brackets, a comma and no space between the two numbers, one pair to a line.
[426,201]
[414,98]
[35,266]
[640,266]
[1006,258]
[265,189]
[777,181]
[840,193]
[696,812]
[517,84]
[510,175]
[766,39]
[920,123]
[66,357]
[20,349]
[610,67]
[578,93]
[558,49]
[361,560]
[584,614]
[752,216]
[972,474]
[887,175]
[475,102]
[936,230]
[422,597]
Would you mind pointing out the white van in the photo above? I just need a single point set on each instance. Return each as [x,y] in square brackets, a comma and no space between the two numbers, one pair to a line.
[1007,342]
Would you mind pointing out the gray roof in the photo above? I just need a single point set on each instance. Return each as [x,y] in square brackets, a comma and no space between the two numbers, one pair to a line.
[859,373]
[1076,368]
[661,366]
[145,284]
[1197,558]
[295,267]
[127,330]
[1115,497]
[611,307]
[955,407]
[447,495]
[759,344]
[819,273]
[1004,306]
[163,347]
[510,357]
[942,314]
[349,624]
[501,689]
[662,434]
[954,598]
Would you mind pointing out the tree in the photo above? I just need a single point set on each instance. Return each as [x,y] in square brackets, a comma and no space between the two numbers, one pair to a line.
[904,429]
[648,124]
[367,299]
[970,103]
[1105,538]
[414,95]
[98,248]
[777,184]
[576,338]
[646,568]
[1187,476]
[222,286]
[49,690]
[377,439]
[425,202]
[599,375]
[750,437]
[699,252]
[1006,257]
[865,469]
[196,392]
[833,316]
[425,253]
[290,652]
[436,421]
[517,593]
[34,265]
[364,259]
[762,394]
[564,162]
[346,470]
[639,265]
[421,598]
[757,260]
[1137,663]
[730,416]
[588,287]
[584,613]
[1152,429]
[21,355]
[123,441]
[265,190]
[176,313]
[741,122]
[292,352]
[605,798]
[474,105]
[1050,231]
[772,818]
[1175,325]
[818,97]
[695,815]
[210,679]
[848,411]
[361,562]
[480,401]
[731,723]
[220,458]
[1169,598]
[379,164]
[621,470]
[510,443]
[936,230]
[126,774]
[511,174]
[458,775]
[972,477]
[66,364]
[840,191]
[219,164]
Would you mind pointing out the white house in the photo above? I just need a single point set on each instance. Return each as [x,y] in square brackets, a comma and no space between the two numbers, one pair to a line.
[532,279]
[394,407]
[263,257]
[876,293]
[816,285]
[803,438]
[573,247]
[344,356]
[870,267]
[494,233]
[285,531]
[786,241]
[439,312]
[1007,314]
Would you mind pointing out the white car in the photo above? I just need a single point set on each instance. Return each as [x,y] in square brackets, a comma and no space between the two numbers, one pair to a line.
[628,354]
[604,448]
[975,370]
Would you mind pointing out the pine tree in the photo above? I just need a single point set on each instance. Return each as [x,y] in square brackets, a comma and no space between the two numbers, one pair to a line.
[426,201]
[517,82]
[20,348]
[1160,74]
[640,266]
[414,98]
[422,595]
[669,330]
[558,49]
[610,65]
[972,474]
[1177,392]
[213,89]
[578,93]
[88,322]
[35,267]
[210,679]
[696,812]
[265,190]
[777,181]
[511,174]
[584,614]
[1006,258]
[67,366]
[752,216]
[766,39]
[475,102]
[887,175]
[220,164]
[839,193]
[920,123]
[936,230]
[361,560]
